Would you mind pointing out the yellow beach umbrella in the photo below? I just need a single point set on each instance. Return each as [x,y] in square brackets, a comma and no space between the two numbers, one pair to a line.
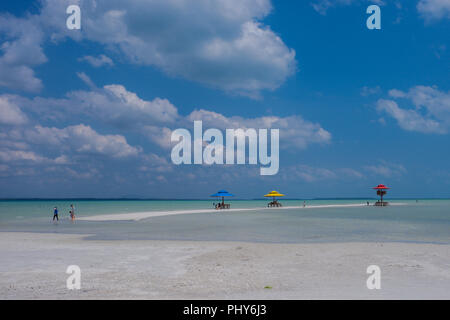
[274,194]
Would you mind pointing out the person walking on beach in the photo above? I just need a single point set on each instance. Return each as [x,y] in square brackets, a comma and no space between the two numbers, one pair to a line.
[304,204]
[72,212]
[55,214]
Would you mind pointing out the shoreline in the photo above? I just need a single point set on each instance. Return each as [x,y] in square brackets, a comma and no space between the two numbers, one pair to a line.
[136,216]
[33,267]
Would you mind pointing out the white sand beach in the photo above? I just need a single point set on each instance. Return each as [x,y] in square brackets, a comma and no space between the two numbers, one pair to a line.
[136,216]
[33,266]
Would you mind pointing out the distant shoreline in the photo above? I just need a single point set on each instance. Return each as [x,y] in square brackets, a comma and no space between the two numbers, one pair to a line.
[206,199]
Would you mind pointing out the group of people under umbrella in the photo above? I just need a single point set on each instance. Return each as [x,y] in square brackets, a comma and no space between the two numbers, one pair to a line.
[381,191]
[221,194]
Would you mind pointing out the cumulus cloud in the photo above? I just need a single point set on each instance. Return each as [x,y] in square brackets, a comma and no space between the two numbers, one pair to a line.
[115,107]
[155,119]
[112,104]
[159,135]
[10,113]
[431,112]
[153,163]
[222,43]
[20,51]
[29,151]
[16,157]
[432,10]
[294,130]
[82,139]
[158,109]
[408,119]
[20,155]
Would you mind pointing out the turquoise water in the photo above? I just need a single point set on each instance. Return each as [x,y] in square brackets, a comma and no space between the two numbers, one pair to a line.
[427,221]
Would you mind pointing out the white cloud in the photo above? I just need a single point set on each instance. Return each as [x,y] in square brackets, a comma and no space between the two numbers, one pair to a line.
[71,140]
[431,113]
[19,52]
[10,113]
[87,80]
[436,102]
[159,135]
[115,106]
[220,43]
[155,119]
[432,10]
[158,109]
[101,60]
[112,104]
[20,155]
[27,156]
[409,119]
[294,130]
[153,163]
[82,139]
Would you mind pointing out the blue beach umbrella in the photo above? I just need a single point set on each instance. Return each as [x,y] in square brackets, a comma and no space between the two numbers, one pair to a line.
[223,194]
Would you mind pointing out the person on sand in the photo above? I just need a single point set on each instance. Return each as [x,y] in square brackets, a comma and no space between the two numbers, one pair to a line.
[72,212]
[55,214]
[304,204]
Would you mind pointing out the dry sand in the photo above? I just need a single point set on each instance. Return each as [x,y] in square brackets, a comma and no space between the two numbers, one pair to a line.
[32,266]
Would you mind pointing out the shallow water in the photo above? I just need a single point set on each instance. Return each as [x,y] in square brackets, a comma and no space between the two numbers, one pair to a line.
[426,221]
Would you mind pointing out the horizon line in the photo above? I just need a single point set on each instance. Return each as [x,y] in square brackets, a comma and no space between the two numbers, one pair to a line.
[212,199]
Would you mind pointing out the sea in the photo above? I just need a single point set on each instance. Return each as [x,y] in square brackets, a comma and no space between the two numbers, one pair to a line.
[418,221]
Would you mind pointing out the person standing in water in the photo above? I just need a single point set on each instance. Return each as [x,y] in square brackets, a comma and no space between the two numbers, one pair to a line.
[55,214]
[72,212]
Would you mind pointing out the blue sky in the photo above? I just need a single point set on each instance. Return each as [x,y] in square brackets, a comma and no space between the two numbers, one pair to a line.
[88,113]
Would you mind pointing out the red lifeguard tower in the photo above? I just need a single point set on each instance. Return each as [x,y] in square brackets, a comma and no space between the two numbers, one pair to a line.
[381,191]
